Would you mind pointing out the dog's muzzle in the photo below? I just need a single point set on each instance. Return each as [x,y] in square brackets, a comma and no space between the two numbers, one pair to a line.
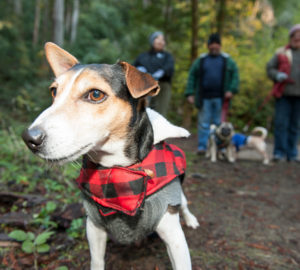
[33,138]
[225,132]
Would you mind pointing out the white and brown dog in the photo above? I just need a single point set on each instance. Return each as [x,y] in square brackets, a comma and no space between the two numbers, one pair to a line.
[99,111]
[255,141]
[219,142]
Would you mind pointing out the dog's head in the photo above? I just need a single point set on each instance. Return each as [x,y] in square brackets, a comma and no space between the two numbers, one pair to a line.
[95,108]
[224,131]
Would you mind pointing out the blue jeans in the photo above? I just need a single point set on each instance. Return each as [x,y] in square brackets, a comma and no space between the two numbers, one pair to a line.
[209,114]
[286,127]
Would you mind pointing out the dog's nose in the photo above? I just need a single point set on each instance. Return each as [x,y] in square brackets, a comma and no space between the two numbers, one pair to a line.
[33,138]
[225,131]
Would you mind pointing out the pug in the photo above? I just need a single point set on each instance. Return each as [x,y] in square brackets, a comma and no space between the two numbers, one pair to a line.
[219,143]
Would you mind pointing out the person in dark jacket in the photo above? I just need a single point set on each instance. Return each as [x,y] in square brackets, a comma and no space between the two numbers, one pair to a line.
[160,64]
[213,78]
[283,69]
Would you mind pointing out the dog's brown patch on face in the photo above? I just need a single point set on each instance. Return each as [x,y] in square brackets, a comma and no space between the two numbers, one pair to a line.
[112,112]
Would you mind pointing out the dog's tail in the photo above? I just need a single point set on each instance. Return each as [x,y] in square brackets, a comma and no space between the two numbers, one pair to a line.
[261,132]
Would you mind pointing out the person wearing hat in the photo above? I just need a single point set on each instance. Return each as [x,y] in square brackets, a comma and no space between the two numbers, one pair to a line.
[213,78]
[160,64]
[284,70]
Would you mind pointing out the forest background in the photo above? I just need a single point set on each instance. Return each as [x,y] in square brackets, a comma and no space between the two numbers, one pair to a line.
[109,30]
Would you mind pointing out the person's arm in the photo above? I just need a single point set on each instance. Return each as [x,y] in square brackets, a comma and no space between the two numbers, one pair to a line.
[271,67]
[169,66]
[138,64]
[167,69]
[234,80]
[273,72]
[192,79]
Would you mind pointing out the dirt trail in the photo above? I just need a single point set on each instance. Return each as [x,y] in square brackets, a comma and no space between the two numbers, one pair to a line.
[249,215]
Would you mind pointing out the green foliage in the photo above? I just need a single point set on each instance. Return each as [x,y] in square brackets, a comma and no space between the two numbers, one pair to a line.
[118,30]
[32,243]
[62,268]
[76,229]
[43,218]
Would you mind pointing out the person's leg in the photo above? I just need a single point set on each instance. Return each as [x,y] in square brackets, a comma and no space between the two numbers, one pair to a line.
[160,103]
[293,129]
[204,118]
[282,112]
[216,111]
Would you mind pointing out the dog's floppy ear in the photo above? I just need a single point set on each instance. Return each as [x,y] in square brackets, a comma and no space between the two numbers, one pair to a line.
[59,59]
[139,84]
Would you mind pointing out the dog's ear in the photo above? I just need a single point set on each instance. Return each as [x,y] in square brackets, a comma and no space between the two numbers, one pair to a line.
[59,59]
[139,84]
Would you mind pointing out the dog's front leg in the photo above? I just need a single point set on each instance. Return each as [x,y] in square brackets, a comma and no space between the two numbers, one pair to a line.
[189,218]
[213,155]
[230,153]
[97,238]
[170,231]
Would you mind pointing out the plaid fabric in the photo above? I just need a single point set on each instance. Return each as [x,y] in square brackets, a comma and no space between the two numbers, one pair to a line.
[284,65]
[124,189]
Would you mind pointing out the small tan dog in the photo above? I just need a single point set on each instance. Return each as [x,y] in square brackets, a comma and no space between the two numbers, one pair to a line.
[219,139]
[256,141]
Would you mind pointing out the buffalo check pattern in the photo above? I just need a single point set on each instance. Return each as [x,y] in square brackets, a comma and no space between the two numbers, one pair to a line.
[124,189]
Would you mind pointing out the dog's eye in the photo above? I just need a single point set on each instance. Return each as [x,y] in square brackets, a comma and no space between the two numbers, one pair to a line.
[96,95]
[53,91]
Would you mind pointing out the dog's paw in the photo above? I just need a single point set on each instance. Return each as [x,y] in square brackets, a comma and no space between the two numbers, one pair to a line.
[266,162]
[191,221]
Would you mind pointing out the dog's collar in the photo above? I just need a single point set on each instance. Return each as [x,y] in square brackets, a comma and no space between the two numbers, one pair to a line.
[221,143]
[124,189]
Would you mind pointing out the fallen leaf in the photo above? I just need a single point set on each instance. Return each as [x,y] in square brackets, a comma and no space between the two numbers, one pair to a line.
[258,246]
[274,227]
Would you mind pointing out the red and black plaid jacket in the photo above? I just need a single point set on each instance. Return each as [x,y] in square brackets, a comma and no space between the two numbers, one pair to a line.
[124,189]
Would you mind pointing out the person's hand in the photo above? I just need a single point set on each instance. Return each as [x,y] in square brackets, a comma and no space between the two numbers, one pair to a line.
[158,74]
[142,69]
[191,99]
[281,76]
[228,95]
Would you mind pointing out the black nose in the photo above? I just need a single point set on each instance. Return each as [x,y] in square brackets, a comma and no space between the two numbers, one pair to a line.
[33,138]
[225,131]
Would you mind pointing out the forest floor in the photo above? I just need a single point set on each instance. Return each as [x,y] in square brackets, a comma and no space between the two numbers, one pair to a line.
[249,216]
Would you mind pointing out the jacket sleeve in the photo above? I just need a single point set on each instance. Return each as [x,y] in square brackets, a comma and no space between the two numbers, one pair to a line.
[168,67]
[234,79]
[192,79]
[137,61]
[271,67]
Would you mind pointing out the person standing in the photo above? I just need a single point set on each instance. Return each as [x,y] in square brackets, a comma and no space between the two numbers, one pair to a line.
[160,64]
[284,69]
[213,78]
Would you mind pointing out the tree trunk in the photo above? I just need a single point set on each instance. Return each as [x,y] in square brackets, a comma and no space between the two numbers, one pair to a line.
[45,21]
[58,16]
[75,17]
[221,14]
[18,7]
[36,22]
[188,108]
[68,18]
[167,13]
[195,18]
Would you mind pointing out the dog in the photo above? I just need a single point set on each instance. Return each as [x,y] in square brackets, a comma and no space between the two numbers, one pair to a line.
[219,142]
[255,141]
[99,111]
